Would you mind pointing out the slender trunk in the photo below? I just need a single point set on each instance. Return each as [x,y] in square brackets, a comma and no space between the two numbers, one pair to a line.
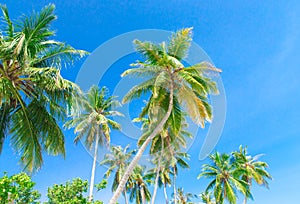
[165,193]
[139,154]
[143,196]
[157,173]
[94,166]
[174,185]
[125,196]
[245,200]
[224,193]
[155,187]
[249,184]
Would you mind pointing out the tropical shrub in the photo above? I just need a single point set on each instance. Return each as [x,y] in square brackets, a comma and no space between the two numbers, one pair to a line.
[18,188]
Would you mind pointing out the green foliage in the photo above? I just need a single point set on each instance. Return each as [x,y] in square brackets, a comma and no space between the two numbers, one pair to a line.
[164,67]
[18,188]
[102,185]
[93,113]
[92,119]
[182,197]
[138,186]
[70,193]
[207,197]
[33,94]
[233,173]
[117,161]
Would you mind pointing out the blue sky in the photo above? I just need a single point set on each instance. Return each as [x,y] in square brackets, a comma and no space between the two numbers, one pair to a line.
[255,43]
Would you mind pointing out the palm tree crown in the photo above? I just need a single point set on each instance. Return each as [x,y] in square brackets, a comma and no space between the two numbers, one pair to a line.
[117,161]
[224,182]
[33,94]
[182,197]
[97,108]
[138,186]
[250,169]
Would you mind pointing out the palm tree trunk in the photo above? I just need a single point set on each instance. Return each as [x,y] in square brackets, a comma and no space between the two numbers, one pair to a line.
[125,196]
[245,200]
[155,186]
[174,185]
[157,173]
[249,184]
[165,193]
[94,166]
[139,154]
[143,195]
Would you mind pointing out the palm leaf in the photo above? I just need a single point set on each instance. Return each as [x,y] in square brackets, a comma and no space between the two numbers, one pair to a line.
[180,43]
[151,51]
[138,90]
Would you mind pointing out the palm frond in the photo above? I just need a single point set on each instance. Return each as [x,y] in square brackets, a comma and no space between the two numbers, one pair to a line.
[193,105]
[141,70]
[25,139]
[10,27]
[4,122]
[180,43]
[151,51]
[138,90]
[230,194]
[51,136]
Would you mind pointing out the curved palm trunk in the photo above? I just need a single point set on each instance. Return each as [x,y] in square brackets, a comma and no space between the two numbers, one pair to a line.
[157,174]
[165,193]
[245,200]
[94,166]
[174,185]
[139,154]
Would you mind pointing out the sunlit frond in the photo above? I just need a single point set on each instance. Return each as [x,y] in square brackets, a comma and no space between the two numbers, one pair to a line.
[180,43]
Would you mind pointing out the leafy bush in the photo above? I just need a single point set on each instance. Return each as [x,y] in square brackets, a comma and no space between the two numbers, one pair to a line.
[18,189]
[70,193]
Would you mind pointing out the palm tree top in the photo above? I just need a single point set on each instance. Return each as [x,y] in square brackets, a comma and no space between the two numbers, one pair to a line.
[250,167]
[33,94]
[163,65]
[95,110]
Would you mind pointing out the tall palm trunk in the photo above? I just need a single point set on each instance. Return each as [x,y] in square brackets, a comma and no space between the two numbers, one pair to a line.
[143,195]
[125,196]
[174,185]
[94,166]
[157,173]
[248,180]
[139,154]
[165,193]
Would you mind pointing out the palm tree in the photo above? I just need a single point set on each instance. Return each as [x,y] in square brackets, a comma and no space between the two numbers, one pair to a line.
[224,181]
[94,123]
[33,94]
[173,157]
[250,169]
[165,180]
[138,187]
[162,179]
[183,198]
[177,159]
[207,197]
[169,82]
[174,138]
[160,176]
[117,161]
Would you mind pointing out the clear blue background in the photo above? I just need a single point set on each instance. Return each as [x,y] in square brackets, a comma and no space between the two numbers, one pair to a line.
[256,43]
